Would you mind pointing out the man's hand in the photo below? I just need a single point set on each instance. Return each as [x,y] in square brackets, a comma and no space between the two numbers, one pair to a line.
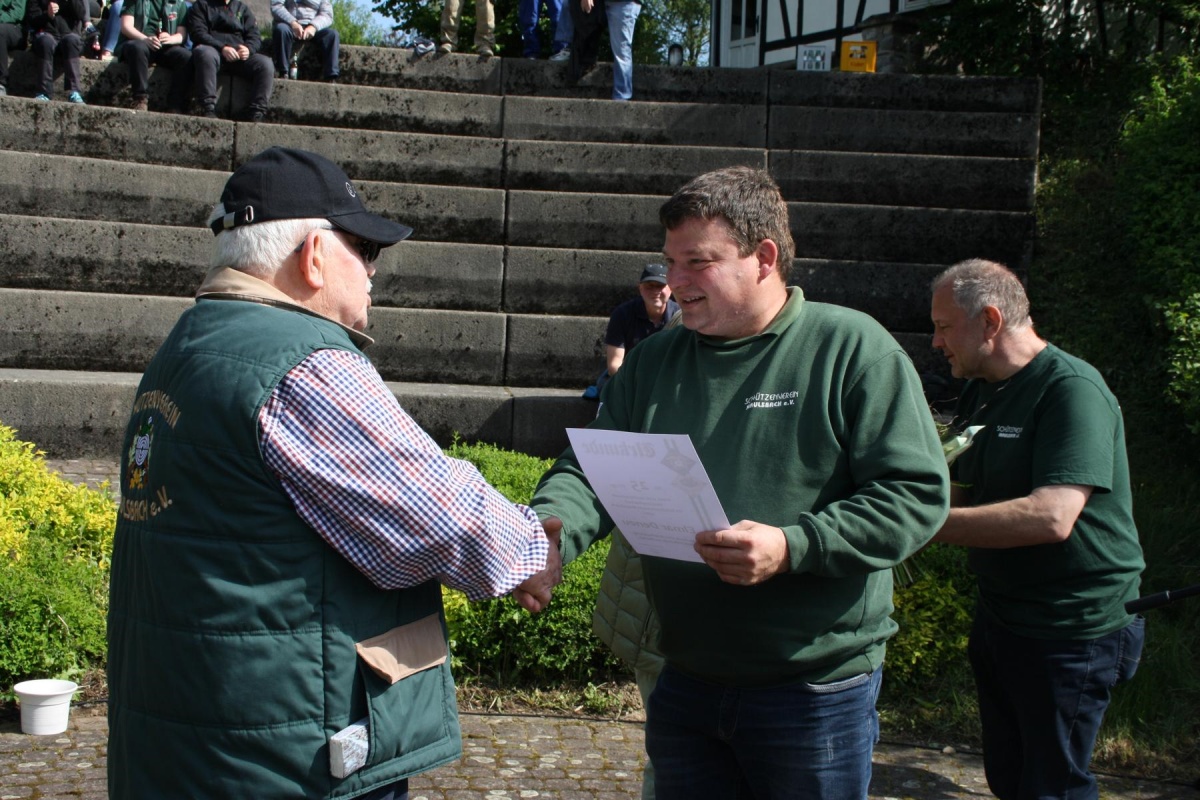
[243,52]
[297,29]
[587,6]
[746,554]
[534,594]
[52,9]
[309,32]
[230,53]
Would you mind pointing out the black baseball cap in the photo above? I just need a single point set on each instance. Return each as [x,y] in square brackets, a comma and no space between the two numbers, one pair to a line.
[654,273]
[285,183]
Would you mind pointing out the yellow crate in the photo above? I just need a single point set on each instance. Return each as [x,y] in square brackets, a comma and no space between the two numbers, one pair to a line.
[858,57]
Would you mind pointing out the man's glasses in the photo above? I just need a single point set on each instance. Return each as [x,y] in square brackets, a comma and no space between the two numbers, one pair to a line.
[368,251]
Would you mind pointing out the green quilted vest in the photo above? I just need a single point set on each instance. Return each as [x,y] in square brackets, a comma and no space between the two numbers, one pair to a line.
[232,624]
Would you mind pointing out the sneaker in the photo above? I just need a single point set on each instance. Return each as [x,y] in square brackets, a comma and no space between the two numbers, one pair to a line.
[75,97]
[106,56]
[257,116]
[334,79]
[445,49]
[140,104]
[485,52]
[562,55]
[3,90]
[208,112]
[45,98]
[591,393]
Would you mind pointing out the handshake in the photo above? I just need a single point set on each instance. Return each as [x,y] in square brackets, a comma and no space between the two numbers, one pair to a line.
[534,593]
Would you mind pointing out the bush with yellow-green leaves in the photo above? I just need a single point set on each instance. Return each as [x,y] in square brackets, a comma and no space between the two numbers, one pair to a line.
[55,544]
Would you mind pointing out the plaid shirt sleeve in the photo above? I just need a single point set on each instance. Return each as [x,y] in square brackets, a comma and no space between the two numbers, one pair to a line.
[379,490]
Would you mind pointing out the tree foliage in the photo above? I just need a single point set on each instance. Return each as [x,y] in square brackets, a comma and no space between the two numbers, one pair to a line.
[354,24]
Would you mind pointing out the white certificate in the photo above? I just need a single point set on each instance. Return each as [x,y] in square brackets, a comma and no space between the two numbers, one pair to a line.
[653,486]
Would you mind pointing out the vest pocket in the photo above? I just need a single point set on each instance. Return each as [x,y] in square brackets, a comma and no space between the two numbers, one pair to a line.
[407,680]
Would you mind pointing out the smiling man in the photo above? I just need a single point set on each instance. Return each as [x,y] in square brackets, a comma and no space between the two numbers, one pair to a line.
[810,421]
[285,527]
[1042,501]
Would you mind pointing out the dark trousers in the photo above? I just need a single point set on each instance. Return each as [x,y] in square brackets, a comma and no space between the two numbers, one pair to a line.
[10,37]
[177,58]
[585,47]
[395,791]
[45,49]
[327,39]
[1041,702]
[257,69]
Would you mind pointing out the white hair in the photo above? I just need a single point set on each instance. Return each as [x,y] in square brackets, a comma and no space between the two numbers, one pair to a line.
[261,248]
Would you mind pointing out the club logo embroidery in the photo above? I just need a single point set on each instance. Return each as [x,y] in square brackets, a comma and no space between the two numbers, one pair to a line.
[139,455]
[350,189]
[771,400]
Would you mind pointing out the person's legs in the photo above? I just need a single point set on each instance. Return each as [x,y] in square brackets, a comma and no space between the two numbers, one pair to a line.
[136,55]
[178,59]
[284,43]
[43,46]
[485,26]
[646,681]
[206,61]
[553,12]
[527,20]
[1002,745]
[564,28]
[793,741]
[1058,691]
[10,36]
[261,73]
[585,46]
[622,17]
[448,36]
[330,43]
[70,48]
[112,28]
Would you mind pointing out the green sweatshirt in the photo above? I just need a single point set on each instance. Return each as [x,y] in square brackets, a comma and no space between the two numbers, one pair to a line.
[12,12]
[816,425]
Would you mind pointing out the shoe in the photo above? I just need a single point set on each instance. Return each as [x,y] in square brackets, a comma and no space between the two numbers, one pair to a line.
[531,58]
[43,97]
[208,112]
[445,49]
[334,79]
[591,393]
[485,52]
[106,56]
[257,116]
[3,90]
[140,104]
[562,55]
[75,97]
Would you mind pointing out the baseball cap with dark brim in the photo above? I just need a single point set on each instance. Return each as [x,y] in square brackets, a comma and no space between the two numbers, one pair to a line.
[654,273]
[285,183]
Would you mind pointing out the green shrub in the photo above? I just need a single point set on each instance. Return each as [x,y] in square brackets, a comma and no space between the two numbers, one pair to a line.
[934,615]
[500,640]
[55,545]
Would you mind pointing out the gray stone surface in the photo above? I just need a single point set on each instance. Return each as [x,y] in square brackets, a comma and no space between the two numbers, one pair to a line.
[554,350]
[542,280]
[616,168]
[523,756]
[694,123]
[68,414]
[438,346]
[902,131]
[913,92]
[585,221]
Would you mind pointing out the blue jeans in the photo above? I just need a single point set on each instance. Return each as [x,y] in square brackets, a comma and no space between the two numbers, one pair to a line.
[112,28]
[1041,702]
[622,17]
[527,21]
[803,741]
[564,28]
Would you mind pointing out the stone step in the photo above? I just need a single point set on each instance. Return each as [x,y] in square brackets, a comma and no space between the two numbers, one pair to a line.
[129,258]
[73,414]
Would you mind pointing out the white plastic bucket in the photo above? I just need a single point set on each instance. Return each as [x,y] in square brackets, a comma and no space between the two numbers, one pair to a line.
[45,705]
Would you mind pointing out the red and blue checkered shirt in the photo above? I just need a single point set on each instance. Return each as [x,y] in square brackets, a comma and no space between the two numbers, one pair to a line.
[379,490]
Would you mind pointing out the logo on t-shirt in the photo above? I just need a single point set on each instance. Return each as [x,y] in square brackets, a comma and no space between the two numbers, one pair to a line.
[771,400]
[1008,432]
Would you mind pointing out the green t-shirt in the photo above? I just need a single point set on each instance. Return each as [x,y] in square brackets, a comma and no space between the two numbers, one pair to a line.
[1055,422]
[818,426]
[152,17]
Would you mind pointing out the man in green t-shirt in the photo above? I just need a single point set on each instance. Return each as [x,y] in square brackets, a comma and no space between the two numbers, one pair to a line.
[1042,500]
[811,425]
[155,32]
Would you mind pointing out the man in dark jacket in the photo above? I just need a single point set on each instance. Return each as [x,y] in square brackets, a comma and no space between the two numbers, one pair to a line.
[225,35]
[57,33]
[12,14]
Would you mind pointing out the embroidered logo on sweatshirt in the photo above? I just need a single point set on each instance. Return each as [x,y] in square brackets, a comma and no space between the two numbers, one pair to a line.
[771,400]
[1008,432]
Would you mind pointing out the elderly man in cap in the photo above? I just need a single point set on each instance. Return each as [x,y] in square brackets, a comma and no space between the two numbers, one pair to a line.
[285,527]
[634,320]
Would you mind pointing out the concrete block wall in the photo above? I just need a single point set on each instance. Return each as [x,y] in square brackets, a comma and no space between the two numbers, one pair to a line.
[535,207]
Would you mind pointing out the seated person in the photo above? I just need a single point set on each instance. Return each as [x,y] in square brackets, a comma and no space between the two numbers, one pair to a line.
[634,320]
[305,20]
[226,39]
[153,32]
[12,36]
[57,33]
[111,28]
